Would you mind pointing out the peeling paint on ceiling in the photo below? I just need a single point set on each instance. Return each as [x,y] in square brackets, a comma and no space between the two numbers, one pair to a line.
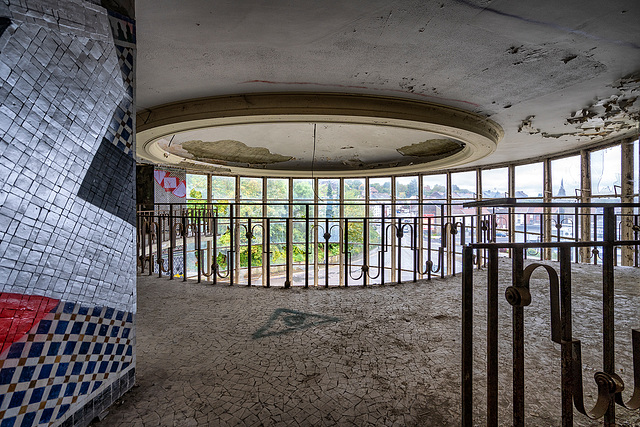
[431,148]
[230,151]
[601,118]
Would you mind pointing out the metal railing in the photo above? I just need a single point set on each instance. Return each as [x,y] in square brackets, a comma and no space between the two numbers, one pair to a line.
[219,243]
[519,295]
[289,244]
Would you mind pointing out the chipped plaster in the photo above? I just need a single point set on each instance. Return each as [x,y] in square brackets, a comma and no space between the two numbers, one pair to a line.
[232,152]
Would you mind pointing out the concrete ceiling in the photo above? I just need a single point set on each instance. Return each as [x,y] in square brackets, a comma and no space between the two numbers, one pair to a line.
[555,76]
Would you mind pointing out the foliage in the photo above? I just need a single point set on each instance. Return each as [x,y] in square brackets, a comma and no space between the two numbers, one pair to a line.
[195,194]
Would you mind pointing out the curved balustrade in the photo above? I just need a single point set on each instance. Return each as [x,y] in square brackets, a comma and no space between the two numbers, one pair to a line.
[213,242]
[200,243]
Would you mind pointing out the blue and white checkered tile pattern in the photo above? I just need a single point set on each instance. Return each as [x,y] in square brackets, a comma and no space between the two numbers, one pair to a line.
[68,356]
[125,59]
[120,132]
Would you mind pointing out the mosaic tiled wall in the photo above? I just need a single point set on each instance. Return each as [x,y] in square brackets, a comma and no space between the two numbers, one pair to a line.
[67,203]
[69,354]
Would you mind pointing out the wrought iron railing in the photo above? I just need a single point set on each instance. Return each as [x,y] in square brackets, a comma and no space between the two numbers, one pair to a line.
[218,243]
[519,295]
[298,244]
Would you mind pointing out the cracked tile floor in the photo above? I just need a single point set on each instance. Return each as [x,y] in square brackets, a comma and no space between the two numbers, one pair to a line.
[220,355]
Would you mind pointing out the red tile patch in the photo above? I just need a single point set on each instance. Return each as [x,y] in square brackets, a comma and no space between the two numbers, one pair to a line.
[19,313]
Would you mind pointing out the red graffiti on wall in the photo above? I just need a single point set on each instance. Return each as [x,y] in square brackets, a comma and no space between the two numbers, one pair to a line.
[19,313]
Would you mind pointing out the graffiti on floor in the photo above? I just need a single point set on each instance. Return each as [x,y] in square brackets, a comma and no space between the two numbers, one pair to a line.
[284,321]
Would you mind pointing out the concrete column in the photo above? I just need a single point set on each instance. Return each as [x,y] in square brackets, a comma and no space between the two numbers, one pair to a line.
[626,196]
[585,197]
[67,209]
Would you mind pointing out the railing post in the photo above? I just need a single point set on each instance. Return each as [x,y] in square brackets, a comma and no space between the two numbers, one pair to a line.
[306,246]
[518,340]
[429,249]
[492,338]
[151,261]
[416,250]
[399,235]
[232,246]
[267,237]
[172,243]
[365,250]
[327,236]
[159,246]
[214,249]
[143,223]
[346,252]
[467,336]
[198,248]
[287,280]
[383,238]
[249,248]
[608,342]
[567,336]
[184,246]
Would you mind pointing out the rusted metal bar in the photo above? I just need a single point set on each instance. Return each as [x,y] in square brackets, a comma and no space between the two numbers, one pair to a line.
[159,246]
[151,261]
[184,248]
[467,337]
[346,252]
[567,337]
[198,247]
[249,236]
[429,262]
[365,251]
[416,249]
[383,235]
[327,236]
[143,223]
[232,243]
[172,243]
[267,237]
[492,338]
[608,322]
[214,244]
[518,341]
[306,247]
[287,280]
[399,235]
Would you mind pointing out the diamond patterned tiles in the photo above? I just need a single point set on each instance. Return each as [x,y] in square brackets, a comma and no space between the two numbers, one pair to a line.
[65,358]
[120,131]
